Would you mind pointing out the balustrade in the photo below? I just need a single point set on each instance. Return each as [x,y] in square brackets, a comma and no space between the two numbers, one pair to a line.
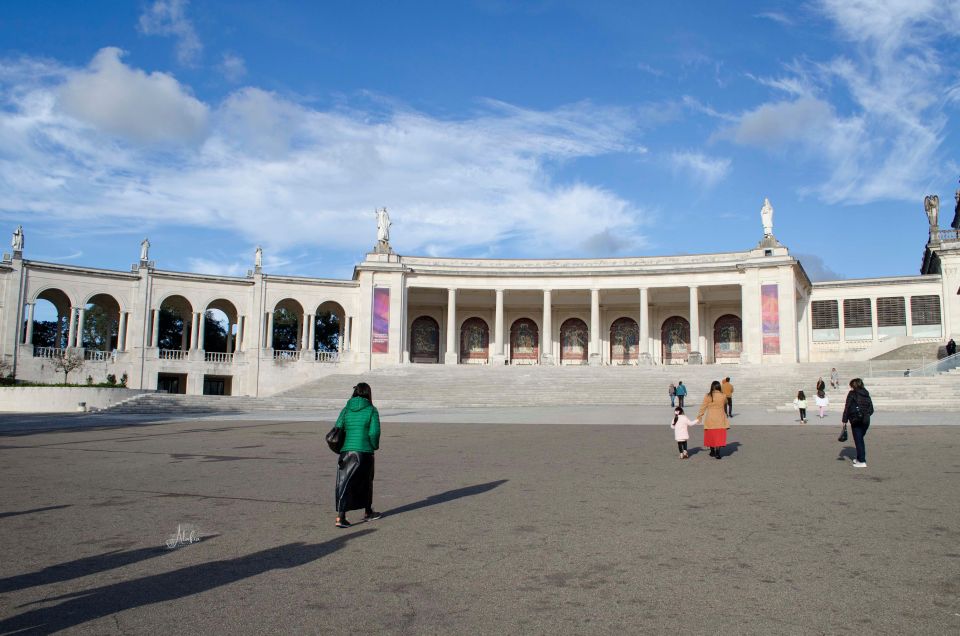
[218,356]
[284,355]
[48,352]
[327,356]
[94,355]
[950,235]
[173,354]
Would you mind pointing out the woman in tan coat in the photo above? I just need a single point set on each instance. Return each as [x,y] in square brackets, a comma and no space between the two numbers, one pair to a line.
[715,422]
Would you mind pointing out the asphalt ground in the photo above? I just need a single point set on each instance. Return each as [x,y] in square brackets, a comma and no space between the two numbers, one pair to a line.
[489,528]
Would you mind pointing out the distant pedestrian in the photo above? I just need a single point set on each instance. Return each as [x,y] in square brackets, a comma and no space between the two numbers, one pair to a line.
[713,416]
[822,403]
[681,433]
[681,392]
[857,410]
[834,378]
[801,404]
[727,389]
[672,391]
[951,347]
[821,385]
[355,468]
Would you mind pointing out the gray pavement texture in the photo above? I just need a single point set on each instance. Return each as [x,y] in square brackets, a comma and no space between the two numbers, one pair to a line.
[490,528]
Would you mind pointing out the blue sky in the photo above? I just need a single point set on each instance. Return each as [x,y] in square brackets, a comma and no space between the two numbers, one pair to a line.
[488,128]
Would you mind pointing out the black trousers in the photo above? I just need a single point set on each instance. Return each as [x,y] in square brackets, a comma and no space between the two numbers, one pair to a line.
[858,432]
[730,406]
[680,400]
[682,446]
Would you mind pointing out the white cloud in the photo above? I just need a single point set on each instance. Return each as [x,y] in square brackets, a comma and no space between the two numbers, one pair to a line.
[168,18]
[218,267]
[706,171]
[777,122]
[233,67]
[130,103]
[289,176]
[776,16]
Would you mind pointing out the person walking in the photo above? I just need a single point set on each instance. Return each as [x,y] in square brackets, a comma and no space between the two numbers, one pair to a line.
[822,403]
[713,416]
[672,391]
[681,432]
[801,404]
[821,385]
[727,389]
[681,392]
[834,378]
[360,421]
[857,410]
[951,347]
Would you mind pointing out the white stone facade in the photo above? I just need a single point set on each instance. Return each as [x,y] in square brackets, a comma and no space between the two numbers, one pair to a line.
[749,307]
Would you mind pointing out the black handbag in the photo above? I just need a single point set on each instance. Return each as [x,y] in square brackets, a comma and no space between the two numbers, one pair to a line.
[335,439]
[843,434]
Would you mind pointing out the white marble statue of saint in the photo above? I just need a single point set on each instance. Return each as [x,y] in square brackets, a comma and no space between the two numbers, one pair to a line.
[931,205]
[258,257]
[383,225]
[17,240]
[145,250]
[766,216]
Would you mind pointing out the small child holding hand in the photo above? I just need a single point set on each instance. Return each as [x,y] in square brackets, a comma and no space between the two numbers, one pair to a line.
[681,433]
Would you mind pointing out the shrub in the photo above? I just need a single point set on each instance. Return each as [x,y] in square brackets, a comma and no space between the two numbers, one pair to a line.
[123,379]
[89,380]
[111,379]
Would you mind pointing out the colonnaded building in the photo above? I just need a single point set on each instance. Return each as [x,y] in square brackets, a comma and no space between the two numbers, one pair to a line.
[263,333]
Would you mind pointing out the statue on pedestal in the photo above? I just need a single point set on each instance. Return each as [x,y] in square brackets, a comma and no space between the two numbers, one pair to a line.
[383,226]
[766,217]
[931,205]
[17,240]
[956,212]
[145,250]
[258,258]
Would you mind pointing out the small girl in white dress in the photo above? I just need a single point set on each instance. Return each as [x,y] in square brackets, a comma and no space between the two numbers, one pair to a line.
[681,433]
[822,403]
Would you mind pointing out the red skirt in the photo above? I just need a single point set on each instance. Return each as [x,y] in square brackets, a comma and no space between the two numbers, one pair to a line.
[713,437]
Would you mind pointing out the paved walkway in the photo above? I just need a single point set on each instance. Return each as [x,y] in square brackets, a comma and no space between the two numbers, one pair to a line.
[489,529]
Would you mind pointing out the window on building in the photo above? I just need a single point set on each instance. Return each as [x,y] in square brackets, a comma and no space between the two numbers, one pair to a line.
[925,315]
[826,320]
[891,317]
[857,317]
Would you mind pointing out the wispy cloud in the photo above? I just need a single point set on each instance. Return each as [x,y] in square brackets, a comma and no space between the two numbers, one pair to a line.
[233,67]
[168,18]
[704,170]
[776,16]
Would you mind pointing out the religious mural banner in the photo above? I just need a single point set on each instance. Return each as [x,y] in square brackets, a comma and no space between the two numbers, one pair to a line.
[380,334]
[770,317]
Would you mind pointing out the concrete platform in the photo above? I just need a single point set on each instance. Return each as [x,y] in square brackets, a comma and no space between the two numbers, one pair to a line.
[492,528]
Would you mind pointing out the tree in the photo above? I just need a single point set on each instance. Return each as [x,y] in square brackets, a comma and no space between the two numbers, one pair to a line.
[285,330]
[214,333]
[170,332]
[68,362]
[99,329]
[327,331]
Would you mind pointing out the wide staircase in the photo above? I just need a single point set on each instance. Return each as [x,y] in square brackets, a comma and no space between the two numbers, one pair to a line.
[437,386]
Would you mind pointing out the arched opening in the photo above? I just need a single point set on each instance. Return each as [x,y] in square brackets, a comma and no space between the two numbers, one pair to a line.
[474,341]
[675,340]
[425,341]
[101,319]
[328,327]
[727,338]
[175,323]
[524,342]
[287,326]
[624,341]
[219,327]
[51,320]
[573,341]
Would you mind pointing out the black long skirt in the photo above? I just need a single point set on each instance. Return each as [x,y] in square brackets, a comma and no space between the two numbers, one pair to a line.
[354,481]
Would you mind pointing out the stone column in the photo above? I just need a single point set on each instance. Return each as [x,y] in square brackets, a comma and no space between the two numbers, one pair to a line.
[72,328]
[201,330]
[28,335]
[546,338]
[594,351]
[311,332]
[451,356]
[122,332]
[241,332]
[644,344]
[841,323]
[155,335]
[270,330]
[59,341]
[81,316]
[195,330]
[873,320]
[229,336]
[695,322]
[303,332]
[498,357]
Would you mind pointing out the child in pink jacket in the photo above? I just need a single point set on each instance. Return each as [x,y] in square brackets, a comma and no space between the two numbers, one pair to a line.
[681,433]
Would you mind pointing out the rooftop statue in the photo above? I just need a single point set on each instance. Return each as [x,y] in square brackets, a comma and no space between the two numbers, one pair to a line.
[258,257]
[931,205]
[383,225]
[145,249]
[956,212]
[766,216]
[17,240]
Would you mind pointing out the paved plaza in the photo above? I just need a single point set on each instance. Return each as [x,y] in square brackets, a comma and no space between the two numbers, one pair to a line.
[491,527]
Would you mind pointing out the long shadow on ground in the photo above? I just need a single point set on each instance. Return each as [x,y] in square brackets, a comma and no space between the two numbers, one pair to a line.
[444,497]
[87,605]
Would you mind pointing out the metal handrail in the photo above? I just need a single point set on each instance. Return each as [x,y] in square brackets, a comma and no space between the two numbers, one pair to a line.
[938,366]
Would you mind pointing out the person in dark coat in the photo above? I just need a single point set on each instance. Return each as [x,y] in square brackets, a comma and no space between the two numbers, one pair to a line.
[857,411]
[951,347]
[360,422]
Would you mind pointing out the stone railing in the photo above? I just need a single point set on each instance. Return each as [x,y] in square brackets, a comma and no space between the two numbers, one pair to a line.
[48,352]
[94,355]
[949,235]
[173,354]
[285,355]
[327,356]
[218,356]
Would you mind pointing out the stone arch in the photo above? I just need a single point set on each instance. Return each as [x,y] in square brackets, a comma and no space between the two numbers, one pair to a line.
[574,336]
[524,341]
[287,325]
[425,340]
[175,323]
[101,320]
[727,337]
[474,341]
[220,318]
[624,341]
[675,340]
[329,322]
[51,318]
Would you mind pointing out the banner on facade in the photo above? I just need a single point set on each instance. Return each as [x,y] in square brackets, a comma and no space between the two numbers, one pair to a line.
[380,334]
[770,316]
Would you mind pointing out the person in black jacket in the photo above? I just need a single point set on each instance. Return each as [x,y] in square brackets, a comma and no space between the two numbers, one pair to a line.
[857,411]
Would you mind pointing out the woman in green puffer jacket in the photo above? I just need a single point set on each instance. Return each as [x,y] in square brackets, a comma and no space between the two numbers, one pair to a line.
[360,421]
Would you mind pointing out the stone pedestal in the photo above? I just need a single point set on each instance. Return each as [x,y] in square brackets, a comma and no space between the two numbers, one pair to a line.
[594,360]
[645,360]
[451,357]
[695,357]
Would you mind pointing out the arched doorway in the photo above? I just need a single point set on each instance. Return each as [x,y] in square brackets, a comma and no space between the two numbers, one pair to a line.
[675,340]
[51,320]
[425,340]
[474,341]
[727,338]
[624,341]
[100,328]
[524,342]
[329,325]
[219,320]
[573,341]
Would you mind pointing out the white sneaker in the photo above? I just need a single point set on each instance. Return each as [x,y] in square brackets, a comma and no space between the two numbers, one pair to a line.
[857,464]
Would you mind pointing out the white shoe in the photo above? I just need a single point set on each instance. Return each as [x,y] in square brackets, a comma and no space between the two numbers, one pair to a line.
[857,464]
